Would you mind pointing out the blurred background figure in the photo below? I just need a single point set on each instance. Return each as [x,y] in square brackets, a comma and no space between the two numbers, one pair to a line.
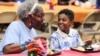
[9,2]
[19,0]
[93,2]
[66,2]
[97,6]
[83,1]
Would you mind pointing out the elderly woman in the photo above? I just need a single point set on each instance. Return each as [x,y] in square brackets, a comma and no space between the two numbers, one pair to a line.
[23,31]
[65,37]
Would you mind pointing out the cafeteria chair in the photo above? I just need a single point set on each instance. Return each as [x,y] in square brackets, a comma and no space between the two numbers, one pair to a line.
[91,25]
[48,16]
[54,23]
[45,29]
[6,17]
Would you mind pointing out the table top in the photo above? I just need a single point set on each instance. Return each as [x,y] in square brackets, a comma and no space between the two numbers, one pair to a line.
[76,53]
[64,53]
[14,55]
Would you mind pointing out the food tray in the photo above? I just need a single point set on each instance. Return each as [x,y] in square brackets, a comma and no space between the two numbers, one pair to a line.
[84,50]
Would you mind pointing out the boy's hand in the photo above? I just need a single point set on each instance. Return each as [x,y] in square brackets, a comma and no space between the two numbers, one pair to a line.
[88,42]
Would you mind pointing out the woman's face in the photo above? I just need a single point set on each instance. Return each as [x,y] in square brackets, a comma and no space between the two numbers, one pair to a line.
[64,23]
[36,19]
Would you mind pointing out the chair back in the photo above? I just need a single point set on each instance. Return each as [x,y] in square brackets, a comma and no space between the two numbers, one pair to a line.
[7,17]
[92,18]
[48,16]
[54,21]
[46,26]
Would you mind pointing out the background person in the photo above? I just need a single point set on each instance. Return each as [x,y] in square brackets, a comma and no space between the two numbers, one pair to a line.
[83,1]
[97,6]
[66,2]
[7,2]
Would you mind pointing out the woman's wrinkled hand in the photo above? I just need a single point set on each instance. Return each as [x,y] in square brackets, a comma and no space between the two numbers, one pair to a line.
[37,45]
[32,46]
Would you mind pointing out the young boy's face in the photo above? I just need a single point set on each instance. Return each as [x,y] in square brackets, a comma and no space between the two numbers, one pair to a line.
[64,23]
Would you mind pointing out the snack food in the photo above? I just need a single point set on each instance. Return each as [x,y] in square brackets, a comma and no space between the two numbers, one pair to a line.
[80,48]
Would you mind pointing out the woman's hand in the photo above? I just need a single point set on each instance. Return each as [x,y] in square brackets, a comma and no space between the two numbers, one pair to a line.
[39,45]
[32,47]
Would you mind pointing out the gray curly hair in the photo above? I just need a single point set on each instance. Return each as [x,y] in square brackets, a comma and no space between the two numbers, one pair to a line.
[26,7]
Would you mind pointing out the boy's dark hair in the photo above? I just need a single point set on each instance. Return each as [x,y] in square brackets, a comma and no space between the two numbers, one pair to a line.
[67,12]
